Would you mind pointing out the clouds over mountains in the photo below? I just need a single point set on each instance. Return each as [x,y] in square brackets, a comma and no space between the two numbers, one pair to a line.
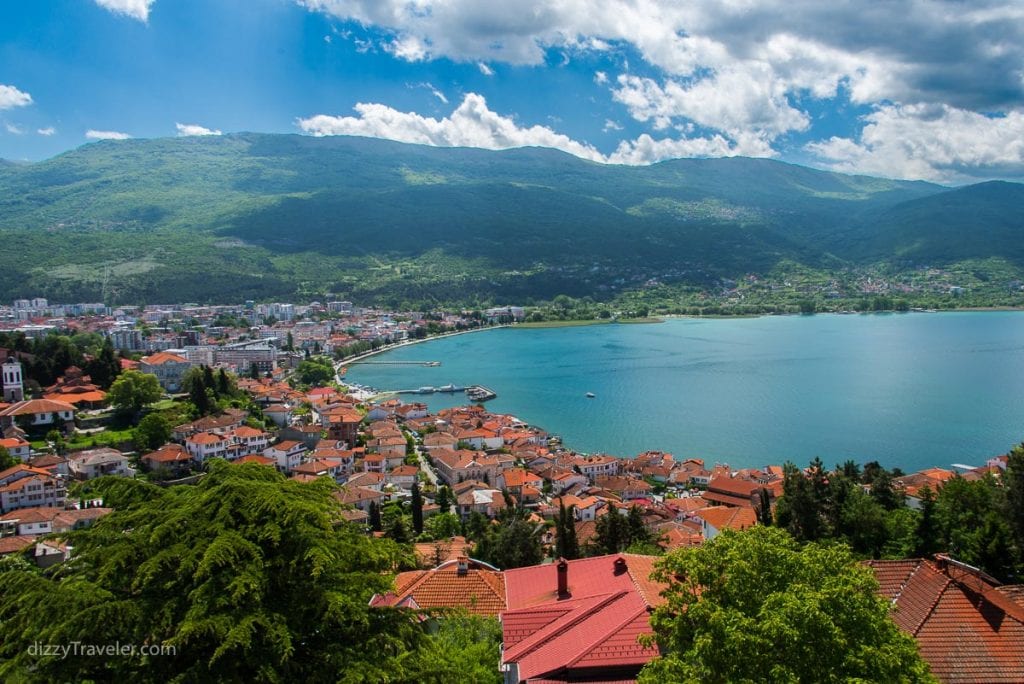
[940,84]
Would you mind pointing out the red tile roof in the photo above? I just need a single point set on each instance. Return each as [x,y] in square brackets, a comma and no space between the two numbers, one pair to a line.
[479,590]
[593,630]
[15,544]
[967,628]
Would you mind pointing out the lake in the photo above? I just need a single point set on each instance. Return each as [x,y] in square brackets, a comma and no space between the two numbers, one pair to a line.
[910,390]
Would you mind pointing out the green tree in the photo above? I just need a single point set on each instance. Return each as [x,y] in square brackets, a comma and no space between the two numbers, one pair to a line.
[883,492]
[7,460]
[442,526]
[802,508]
[756,605]
[927,536]
[465,648]
[444,498]
[225,387]
[374,517]
[133,390]
[152,432]
[105,368]
[315,372]
[513,543]
[610,534]
[417,508]
[248,575]
[566,543]
[1014,484]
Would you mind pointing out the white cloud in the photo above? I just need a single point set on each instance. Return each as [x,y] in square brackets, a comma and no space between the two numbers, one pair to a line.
[735,102]
[11,97]
[748,71]
[929,142]
[106,135]
[473,124]
[136,9]
[14,129]
[647,150]
[484,69]
[610,125]
[194,129]
[48,131]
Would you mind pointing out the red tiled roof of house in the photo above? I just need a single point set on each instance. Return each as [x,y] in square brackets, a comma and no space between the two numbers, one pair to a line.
[479,590]
[255,458]
[35,514]
[449,549]
[15,544]
[205,438]
[592,629]
[161,358]
[13,442]
[966,628]
[21,467]
[69,397]
[169,453]
[728,517]
[31,406]
[354,494]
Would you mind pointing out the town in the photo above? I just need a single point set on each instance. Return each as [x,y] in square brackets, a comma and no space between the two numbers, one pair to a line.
[494,509]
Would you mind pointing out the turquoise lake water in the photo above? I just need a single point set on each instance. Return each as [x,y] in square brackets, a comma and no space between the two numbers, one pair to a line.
[909,390]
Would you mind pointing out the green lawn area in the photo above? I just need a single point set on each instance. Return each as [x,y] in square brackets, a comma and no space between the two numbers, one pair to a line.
[105,438]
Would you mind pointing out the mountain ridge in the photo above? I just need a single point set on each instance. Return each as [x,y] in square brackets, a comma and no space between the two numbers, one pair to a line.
[364,217]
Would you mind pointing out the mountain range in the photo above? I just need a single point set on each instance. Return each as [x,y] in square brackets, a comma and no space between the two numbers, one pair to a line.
[253,216]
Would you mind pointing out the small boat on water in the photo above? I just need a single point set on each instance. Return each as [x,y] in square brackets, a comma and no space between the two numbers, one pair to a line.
[426,390]
[450,388]
[590,395]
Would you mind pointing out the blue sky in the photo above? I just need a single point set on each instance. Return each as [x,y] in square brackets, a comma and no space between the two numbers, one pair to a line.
[924,89]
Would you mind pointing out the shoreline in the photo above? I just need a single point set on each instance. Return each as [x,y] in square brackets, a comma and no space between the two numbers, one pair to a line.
[543,422]
[409,343]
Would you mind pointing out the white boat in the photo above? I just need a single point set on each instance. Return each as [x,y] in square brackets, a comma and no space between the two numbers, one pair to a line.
[590,395]
[426,390]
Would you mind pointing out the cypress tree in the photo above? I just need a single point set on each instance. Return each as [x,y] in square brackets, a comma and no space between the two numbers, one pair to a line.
[417,508]
[208,380]
[375,523]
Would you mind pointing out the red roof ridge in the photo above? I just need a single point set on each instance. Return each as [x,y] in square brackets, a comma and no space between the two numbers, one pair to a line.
[563,623]
[608,634]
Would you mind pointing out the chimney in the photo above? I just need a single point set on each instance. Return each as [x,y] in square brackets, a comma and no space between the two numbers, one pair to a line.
[563,578]
[463,566]
[620,565]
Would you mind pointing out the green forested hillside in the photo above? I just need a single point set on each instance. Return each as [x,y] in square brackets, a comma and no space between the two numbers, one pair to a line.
[258,216]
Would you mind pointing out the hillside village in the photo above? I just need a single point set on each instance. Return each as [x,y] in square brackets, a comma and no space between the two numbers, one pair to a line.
[437,481]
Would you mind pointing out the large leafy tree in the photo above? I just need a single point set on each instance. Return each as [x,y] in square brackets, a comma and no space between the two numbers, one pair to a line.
[133,390]
[152,432]
[1014,480]
[464,648]
[757,606]
[247,575]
